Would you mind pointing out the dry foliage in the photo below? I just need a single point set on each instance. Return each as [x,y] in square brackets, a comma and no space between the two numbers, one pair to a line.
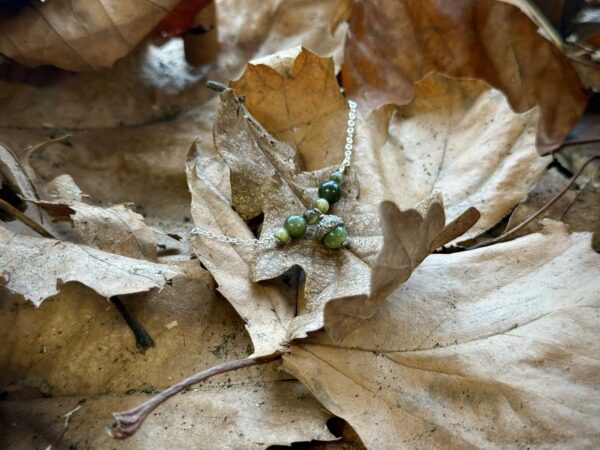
[411,338]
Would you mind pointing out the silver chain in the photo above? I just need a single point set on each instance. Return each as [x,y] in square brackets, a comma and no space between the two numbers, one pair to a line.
[268,241]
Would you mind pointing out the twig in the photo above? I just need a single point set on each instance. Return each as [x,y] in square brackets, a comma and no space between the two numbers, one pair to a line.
[539,211]
[128,422]
[142,338]
[10,209]
[216,86]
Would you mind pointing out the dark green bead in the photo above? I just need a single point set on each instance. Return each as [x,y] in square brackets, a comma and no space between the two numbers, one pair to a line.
[337,176]
[335,238]
[330,191]
[295,225]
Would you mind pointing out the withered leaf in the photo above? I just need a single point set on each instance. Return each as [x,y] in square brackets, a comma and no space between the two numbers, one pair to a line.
[114,229]
[395,43]
[77,352]
[38,267]
[88,35]
[15,183]
[487,348]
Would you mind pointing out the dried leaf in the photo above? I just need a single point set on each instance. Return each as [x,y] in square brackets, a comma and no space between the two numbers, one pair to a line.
[88,36]
[37,268]
[81,353]
[395,43]
[116,229]
[488,348]
[303,108]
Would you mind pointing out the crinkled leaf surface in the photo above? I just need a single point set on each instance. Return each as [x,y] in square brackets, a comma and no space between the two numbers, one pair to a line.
[38,267]
[395,43]
[488,348]
[115,229]
[81,354]
[79,36]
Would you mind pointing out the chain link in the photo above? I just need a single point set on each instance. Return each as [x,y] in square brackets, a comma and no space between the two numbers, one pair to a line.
[269,241]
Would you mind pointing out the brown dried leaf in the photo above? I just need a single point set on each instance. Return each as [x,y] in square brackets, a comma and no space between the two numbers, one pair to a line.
[395,43]
[81,353]
[453,120]
[84,36]
[37,268]
[15,182]
[408,238]
[488,348]
[303,107]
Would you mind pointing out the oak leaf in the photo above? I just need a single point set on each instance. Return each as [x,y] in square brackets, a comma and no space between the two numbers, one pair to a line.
[487,348]
[393,44]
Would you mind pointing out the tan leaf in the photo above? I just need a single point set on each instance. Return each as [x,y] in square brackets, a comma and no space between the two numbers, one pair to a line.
[89,35]
[408,238]
[115,229]
[15,182]
[38,267]
[79,353]
[303,107]
[452,121]
[488,348]
[395,43]
[456,137]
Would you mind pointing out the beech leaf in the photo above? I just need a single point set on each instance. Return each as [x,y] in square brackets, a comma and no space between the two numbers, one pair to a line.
[393,44]
[487,348]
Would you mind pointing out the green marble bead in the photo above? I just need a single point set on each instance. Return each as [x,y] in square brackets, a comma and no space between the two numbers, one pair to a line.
[322,205]
[330,191]
[312,216]
[295,225]
[281,236]
[335,238]
[337,176]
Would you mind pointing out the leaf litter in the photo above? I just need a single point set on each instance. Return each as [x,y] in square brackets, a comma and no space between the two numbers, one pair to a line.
[444,327]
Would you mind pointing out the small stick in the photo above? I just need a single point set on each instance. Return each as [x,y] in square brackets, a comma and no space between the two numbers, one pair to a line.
[25,219]
[216,86]
[142,338]
[128,422]
[539,211]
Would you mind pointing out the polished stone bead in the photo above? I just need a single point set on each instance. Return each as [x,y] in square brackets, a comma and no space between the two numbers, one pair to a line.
[312,216]
[337,176]
[336,238]
[295,225]
[281,236]
[330,191]
[322,205]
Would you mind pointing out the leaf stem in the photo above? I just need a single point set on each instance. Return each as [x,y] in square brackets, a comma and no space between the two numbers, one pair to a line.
[142,338]
[128,422]
[539,211]
[10,209]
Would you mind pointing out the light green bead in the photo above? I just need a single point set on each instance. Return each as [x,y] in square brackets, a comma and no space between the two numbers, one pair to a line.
[322,205]
[337,176]
[335,238]
[312,215]
[281,236]
[295,225]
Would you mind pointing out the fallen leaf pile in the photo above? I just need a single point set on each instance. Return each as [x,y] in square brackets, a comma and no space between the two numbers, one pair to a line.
[430,329]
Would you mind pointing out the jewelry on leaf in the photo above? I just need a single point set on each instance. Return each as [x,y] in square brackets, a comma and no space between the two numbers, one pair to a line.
[328,228]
